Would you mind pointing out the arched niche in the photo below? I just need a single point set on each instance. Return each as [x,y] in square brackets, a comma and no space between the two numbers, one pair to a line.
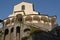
[36,18]
[45,19]
[12,20]
[28,18]
[19,17]
[7,21]
[53,19]
[27,29]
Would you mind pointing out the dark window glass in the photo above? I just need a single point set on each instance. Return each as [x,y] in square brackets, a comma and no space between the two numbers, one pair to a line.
[23,7]
[18,29]
[12,30]
[6,32]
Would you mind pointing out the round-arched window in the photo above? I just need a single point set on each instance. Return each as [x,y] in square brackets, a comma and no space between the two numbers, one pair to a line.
[18,29]
[6,31]
[27,29]
[12,30]
[19,17]
[23,7]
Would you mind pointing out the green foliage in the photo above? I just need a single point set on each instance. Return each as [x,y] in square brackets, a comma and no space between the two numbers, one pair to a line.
[32,28]
[24,38]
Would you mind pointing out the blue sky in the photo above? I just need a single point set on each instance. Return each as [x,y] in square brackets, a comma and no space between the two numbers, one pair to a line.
[49,7]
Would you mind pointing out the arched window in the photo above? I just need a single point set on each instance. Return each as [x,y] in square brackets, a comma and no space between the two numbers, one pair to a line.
[18,33]
[6,32]
[23,7]
[12,30]
[19,17]
[27,29]
[18,29]
[8,21]
[12,20]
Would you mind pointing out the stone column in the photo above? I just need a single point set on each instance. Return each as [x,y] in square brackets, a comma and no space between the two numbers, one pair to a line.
[21,32]
[14,34]
[9,34]
[2,35]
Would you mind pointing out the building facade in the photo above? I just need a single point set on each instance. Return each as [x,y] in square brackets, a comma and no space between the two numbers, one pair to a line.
[24,21]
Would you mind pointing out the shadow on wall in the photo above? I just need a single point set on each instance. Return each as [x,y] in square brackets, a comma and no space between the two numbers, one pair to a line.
[42,35]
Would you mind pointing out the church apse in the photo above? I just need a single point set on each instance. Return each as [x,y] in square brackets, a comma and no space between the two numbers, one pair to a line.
[20,23]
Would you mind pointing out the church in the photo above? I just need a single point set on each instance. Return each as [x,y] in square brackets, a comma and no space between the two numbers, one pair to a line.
[24,21]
